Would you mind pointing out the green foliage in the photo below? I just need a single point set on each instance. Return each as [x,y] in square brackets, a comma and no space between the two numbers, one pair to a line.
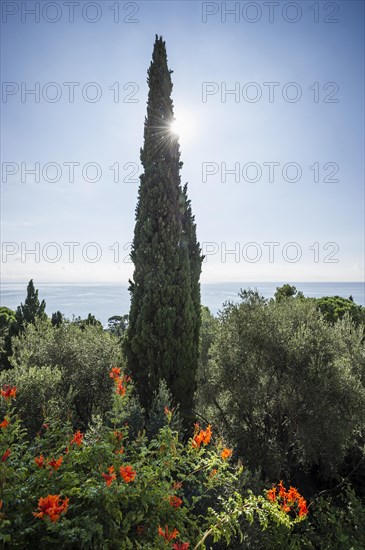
[57,319]
[337,522]
[82,355]
[335,307]
[287,291]
[7,320]
[157,416]
[334,523]
[39,392]
[89,321]
[208,330]
[32,307]
[286,387]
[171,487]
[117,325]
[162,338]
[8,328]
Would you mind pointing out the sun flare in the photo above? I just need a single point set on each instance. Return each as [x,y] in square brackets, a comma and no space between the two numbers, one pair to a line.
[175,127]
[183,127]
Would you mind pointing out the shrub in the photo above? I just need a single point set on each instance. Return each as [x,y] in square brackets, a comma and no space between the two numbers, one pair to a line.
[82,355]
[38,395]
[104,489]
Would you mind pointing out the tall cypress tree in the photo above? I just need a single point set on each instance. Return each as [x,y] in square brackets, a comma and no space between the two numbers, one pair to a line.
[163,332]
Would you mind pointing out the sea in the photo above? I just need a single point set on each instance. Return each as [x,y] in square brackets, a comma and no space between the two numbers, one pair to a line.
[104,300]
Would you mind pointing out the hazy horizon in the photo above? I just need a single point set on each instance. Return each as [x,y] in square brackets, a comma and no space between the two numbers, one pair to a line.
[107,299]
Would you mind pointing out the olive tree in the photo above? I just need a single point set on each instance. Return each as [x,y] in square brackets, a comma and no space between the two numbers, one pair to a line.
[285,386]
[82,354]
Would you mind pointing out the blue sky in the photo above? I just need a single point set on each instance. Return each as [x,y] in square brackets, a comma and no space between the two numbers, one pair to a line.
[316,220]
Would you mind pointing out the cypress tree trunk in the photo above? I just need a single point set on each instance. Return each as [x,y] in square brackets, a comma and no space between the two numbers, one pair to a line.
[163,333]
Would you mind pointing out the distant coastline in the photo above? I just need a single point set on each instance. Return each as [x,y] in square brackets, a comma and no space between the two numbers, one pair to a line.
[106,299]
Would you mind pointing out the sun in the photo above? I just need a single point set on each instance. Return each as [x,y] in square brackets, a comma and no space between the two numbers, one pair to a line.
[182,126]
[175,127]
